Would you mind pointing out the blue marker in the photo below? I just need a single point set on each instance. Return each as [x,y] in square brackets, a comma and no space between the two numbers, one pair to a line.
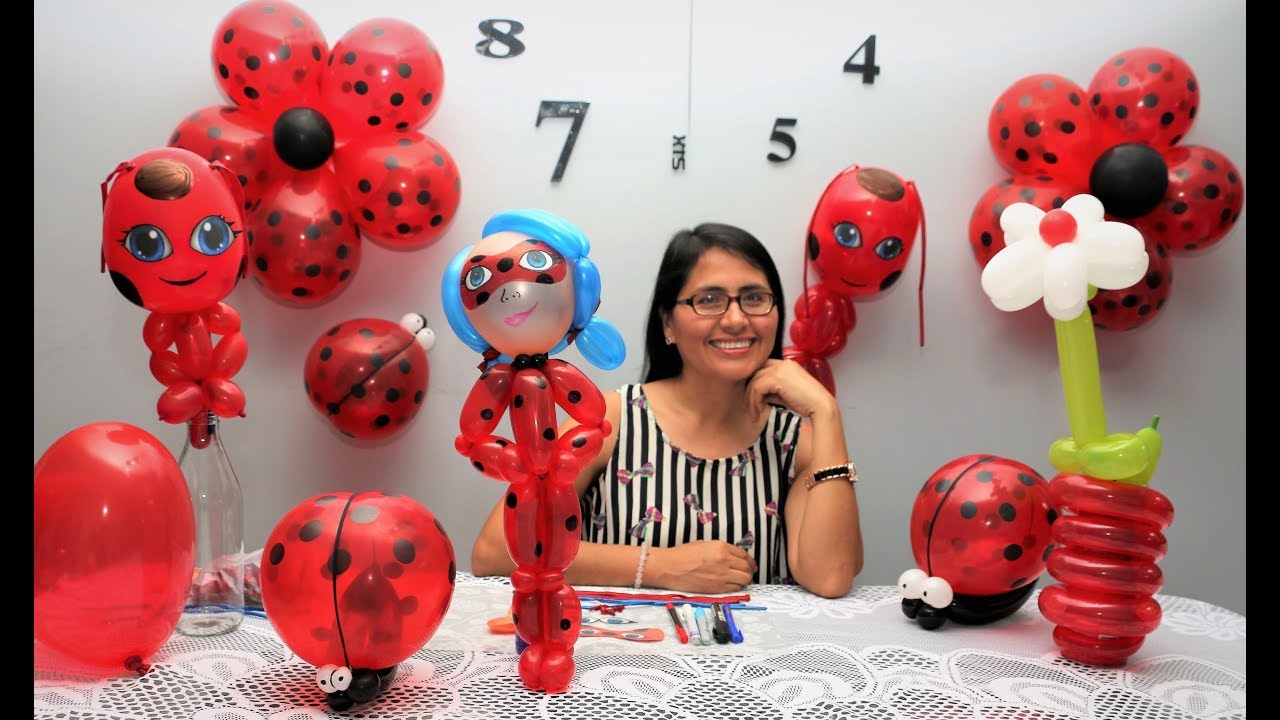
[734,633]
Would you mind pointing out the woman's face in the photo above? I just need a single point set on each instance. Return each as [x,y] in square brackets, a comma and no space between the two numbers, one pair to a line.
[732,345]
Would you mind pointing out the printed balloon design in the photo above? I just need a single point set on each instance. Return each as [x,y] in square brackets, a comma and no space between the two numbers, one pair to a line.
[1121,141]
[858,243]
[114,545]
[355,583]
[171,227]
[368,377]
[980,534]
[327,143]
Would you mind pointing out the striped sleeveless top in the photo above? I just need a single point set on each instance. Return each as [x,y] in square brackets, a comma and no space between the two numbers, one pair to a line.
[652,491]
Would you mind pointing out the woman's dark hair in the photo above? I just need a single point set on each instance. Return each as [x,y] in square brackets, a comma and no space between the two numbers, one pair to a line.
[683,252]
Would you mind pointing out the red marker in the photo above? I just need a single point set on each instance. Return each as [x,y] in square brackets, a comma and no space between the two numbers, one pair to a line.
[675,620]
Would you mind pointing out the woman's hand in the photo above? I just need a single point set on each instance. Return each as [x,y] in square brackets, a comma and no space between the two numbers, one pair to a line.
[787,383]
[701,566]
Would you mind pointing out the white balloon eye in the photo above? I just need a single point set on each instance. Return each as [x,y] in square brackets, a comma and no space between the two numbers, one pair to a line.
[936,592]
[413,322]
[333,678]
[910,582]
[426,337]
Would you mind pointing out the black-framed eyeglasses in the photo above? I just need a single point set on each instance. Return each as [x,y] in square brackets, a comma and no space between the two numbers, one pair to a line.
[752,302]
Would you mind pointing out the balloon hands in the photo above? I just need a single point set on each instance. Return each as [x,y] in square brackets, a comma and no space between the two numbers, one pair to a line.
[197,373]
[1124,457]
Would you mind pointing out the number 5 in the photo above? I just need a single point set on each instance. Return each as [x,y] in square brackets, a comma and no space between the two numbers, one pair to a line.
[576,109]
[784,138]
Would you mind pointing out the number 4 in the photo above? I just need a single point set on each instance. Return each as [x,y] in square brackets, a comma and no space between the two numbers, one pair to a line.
[869,69]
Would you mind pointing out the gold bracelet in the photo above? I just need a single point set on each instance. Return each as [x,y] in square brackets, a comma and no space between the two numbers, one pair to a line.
[847,471]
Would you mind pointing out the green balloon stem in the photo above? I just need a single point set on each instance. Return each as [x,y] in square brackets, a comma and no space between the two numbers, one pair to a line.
[1081,381]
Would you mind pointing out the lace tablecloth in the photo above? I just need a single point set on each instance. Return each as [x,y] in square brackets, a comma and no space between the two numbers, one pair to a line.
[803,657]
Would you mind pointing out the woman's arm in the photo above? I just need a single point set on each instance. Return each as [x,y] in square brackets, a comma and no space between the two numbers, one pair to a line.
[824,536]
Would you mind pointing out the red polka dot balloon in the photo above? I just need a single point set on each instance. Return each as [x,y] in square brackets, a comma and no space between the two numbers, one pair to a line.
[357,582]
[982,523]
[368,377]
[1121,142]
[326,142]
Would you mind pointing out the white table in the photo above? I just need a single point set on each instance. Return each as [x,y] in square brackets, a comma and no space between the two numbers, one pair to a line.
[803,657]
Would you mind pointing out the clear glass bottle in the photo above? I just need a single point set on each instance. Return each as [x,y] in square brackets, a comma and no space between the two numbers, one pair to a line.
[215,602]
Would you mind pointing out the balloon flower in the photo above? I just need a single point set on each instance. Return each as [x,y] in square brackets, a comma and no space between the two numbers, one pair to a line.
[114,546]
[327,143]
[859,240]
[980,531]
[1110,534]
[171,231]
[368,377]
[525,292]
[355,583]
[1121,142]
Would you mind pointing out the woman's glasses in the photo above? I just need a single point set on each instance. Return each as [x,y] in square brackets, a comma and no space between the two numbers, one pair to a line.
[754,302]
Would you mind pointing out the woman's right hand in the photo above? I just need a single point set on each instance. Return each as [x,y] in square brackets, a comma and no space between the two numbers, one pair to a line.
[701,566]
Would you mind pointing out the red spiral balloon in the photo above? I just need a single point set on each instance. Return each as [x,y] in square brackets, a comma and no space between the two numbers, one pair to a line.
[1109,539]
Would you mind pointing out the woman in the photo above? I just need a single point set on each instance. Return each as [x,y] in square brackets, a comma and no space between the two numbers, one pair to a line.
[728,465]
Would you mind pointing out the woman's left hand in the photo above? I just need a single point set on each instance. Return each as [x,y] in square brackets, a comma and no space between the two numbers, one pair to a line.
[787,383]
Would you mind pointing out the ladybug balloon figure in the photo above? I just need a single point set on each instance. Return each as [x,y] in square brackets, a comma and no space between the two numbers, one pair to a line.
[524,292]
[355,583]
[368,377]
[980,533]
[171,240]
[859,240]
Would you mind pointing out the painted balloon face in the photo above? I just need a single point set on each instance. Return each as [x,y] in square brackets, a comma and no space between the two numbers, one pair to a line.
[170,230]
[518,293]
[862,231]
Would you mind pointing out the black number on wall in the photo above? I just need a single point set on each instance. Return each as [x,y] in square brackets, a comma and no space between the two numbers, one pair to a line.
[779,136]
[576,109]
[505,38]
[869,69]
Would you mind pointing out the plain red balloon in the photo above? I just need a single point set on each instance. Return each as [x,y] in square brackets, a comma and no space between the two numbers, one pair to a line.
[114,545]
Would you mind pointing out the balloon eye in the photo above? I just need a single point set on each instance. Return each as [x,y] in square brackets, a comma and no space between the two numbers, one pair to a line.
[889,248]
[212,236]
[148,243]
[848,235]
[536,260]
[910,582]
[477,276]
[936,592]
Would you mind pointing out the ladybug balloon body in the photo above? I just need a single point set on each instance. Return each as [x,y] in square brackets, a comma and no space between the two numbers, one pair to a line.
[368,376]
[862,231]
[354,583]
[980,534]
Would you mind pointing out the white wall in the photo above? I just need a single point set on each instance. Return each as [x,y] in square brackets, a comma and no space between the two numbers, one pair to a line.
[114,79]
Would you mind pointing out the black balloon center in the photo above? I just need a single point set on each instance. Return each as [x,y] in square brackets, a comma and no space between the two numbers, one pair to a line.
[303,138]
[1130,179]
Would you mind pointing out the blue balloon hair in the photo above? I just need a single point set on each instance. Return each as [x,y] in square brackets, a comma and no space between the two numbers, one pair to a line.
[599,341]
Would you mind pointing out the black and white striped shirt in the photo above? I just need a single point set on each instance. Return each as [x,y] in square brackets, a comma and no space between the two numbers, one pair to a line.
[652,491]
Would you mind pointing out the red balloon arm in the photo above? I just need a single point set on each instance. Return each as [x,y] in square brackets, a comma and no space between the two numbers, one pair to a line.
[488,456]
[487,403]
[574,392]
[221,319]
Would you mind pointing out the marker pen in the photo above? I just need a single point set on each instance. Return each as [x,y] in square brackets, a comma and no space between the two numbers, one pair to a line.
[695,637]
[704,627]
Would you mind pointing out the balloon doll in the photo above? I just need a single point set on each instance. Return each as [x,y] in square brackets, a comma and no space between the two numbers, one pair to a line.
[858,242]
[170,239]
[525,292]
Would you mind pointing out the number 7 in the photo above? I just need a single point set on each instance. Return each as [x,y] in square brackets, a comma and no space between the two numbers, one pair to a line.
[576,109]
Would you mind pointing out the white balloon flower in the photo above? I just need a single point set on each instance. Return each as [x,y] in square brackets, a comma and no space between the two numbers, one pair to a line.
[1058,255]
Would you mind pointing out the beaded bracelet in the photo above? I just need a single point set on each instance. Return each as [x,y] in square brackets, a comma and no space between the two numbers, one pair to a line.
[847,471]
[644,553]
